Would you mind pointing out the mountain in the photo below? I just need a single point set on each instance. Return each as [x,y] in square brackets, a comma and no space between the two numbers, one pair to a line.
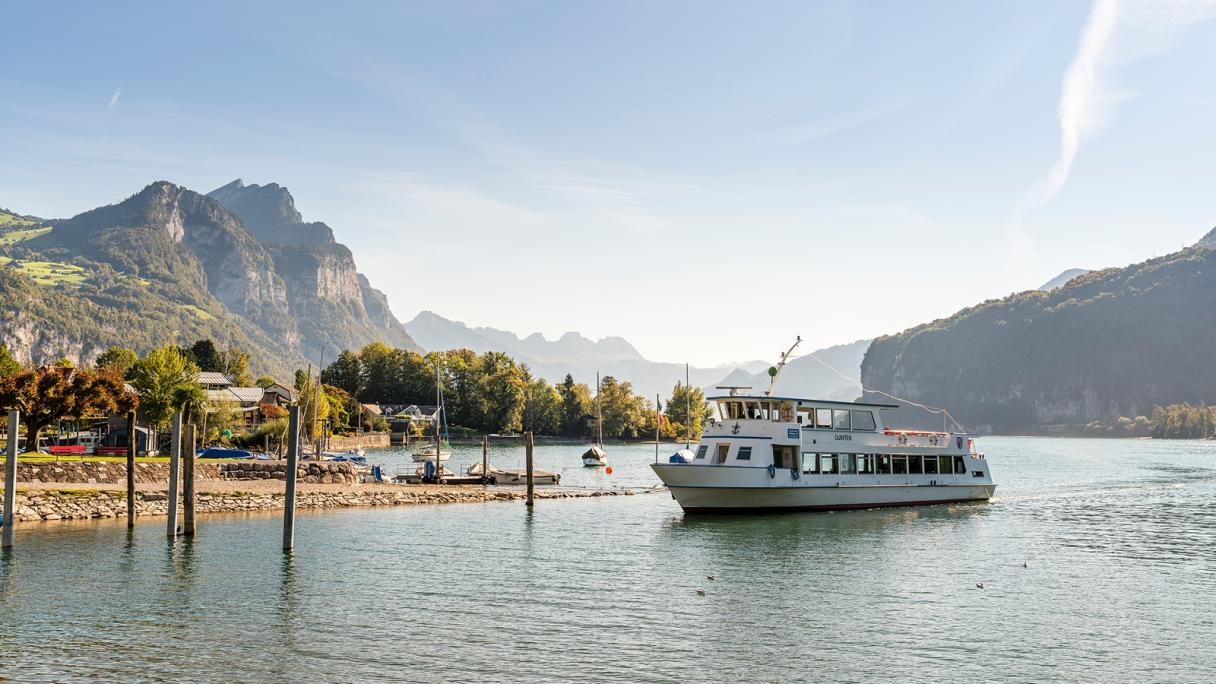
[1208,241]
[806,377]
[1107,344]
[333,304]
[1063,278]
[571,353]
[170,265]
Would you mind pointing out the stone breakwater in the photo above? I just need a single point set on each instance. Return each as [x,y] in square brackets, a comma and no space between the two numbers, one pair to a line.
[115,472]
[86,504]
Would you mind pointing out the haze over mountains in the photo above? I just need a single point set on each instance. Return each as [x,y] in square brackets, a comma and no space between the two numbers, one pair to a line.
[571,353]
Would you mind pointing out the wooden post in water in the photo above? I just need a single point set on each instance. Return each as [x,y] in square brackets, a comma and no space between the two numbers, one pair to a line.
[485,460]
[657,418]
[175,472]
[528,454]
[132,443]
[10,477]
[188,483]
[289,491]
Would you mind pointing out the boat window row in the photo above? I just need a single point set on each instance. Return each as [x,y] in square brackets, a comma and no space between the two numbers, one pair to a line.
[837,419]
[775,411]
[882,464]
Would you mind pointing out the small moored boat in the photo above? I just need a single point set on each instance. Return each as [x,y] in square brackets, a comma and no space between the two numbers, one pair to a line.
[516,477]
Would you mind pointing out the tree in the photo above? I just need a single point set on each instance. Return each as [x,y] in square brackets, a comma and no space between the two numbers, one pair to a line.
[167,382]
[8,365]
[236,366]
[683,398]
[118,359]
[623,413]
[206,356]
[542,412]
[576,406]
[346,373]
[49,394]
[264,381]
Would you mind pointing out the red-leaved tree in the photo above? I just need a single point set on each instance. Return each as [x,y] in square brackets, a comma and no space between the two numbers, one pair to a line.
[50,394]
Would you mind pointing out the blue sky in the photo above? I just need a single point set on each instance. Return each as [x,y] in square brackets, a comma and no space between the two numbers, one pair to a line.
[705,179]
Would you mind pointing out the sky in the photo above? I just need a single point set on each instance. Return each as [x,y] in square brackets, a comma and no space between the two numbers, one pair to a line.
[707,179]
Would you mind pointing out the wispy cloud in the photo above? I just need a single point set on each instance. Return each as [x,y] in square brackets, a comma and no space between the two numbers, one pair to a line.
[1116,33]
[114,99]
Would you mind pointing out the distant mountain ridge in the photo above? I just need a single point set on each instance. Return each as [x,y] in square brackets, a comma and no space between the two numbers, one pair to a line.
[1062,279]
[171,265]
[571,353]
[811,375]
[1108,344]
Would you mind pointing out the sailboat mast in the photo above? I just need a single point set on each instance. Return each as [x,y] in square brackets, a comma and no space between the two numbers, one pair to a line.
[687,410]
[438,417]
[599,416]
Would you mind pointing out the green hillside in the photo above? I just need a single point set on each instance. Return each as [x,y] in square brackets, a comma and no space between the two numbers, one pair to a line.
[1108,344]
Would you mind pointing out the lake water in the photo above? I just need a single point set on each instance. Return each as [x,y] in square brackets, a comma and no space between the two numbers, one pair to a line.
[1119,538]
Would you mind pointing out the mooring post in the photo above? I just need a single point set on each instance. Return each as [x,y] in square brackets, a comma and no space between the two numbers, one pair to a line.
[485,460]
[289,493]
[528,453]
[175,471]
[10,476]
[188,483]
[132,442]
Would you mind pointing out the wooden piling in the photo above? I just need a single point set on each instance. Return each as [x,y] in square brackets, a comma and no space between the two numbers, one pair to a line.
[528,453]
[485,460]
[175,472]
[188,483]
[132,443]
[10,477]
[289,492]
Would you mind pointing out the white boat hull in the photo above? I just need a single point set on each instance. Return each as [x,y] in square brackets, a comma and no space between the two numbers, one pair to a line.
[424,456]
[737,490]
[589,461]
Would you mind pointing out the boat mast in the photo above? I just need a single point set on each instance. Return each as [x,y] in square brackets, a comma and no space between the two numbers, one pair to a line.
[438,417]
[774,371]
[599,417]
[687,409]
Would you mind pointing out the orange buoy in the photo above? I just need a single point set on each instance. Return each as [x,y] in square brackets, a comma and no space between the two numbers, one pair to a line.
[608,470]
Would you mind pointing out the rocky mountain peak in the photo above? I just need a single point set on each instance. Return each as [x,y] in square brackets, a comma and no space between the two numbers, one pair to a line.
[1208,241]
[269,212]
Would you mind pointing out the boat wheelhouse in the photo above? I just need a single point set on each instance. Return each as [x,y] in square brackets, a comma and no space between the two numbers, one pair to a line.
[764,453]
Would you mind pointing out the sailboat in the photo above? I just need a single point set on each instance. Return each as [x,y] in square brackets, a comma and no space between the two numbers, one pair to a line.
[596,456]
[440,449]
[686,455]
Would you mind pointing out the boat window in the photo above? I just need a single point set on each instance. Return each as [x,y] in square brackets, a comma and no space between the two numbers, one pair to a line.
[701,450]
[804,417]
[959,467]
[930,465]
[828,464]
[734,410]
[914,466]
[787,413]
[823,418]
[808,462]
[723,450]
[847,464]
[745,454]
[840,419]
[863,420]
[944,465]
[884,464]
[753,410]
[865,464]
[899,465]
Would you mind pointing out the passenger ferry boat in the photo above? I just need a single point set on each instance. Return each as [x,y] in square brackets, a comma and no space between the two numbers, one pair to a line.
[765,453]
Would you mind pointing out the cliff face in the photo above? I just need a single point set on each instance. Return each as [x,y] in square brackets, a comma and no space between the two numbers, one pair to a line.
[325,293]
[1107,344]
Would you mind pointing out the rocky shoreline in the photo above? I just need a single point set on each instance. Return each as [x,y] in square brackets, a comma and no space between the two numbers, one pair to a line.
[87,504]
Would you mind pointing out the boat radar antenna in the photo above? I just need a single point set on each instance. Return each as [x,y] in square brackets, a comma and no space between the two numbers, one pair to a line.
[734,389]
[774,371]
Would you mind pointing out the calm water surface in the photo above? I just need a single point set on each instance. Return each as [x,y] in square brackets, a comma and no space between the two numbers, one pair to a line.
[1119,537]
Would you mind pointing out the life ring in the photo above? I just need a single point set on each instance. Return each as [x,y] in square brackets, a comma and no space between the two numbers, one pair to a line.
[772,470]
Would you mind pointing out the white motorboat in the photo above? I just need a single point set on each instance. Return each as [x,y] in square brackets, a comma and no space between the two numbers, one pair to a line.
[595,456]
[427,453]
[766,453]
[516,477]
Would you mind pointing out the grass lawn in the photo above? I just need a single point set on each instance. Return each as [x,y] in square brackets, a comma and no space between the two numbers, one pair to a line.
[48,273]
[14,236]
[7,219]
